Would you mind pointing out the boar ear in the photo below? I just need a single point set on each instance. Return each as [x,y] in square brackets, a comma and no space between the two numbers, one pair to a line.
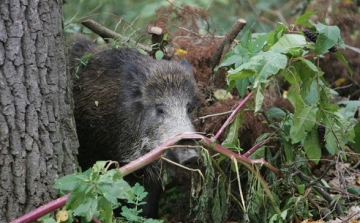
[134,79]
[187,65]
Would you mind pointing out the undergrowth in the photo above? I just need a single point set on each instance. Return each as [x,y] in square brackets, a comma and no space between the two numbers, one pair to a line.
[259,185]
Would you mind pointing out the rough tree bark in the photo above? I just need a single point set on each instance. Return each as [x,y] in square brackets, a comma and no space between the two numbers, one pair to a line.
[37,131]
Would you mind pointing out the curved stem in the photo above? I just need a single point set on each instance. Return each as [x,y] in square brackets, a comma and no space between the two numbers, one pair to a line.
[242,103]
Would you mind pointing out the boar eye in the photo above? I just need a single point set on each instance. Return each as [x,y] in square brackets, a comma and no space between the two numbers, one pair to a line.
[160,110]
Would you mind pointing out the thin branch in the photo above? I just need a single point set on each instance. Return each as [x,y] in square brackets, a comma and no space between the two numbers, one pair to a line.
[258,145]
[217,114]
[155,154]
[107,33]
[225,45]
[43,210]
[242,103]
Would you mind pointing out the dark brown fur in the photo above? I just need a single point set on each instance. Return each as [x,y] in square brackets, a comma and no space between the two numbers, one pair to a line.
[127,103]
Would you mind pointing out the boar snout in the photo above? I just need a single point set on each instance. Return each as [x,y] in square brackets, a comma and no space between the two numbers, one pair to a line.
[185,154]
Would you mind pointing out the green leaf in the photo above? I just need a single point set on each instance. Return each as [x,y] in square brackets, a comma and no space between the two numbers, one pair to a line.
[245,40]
[242,85]
[159,55]
[353,190]
[303,19]
[131,214]
[240,74]
[259,153]
[295,98]
[99,166]
[328,37]
[301,188]
[165,37]
[219,202]
[232,136]
[276,113]
[312,146]
[312,95]
[87,208]
[236,58]
[46,219]
[270,64]
[68,182]
[139,191]
[113,188]
[274,36]
[105,209]
[289,153]
[289,41]
[258,44]
[303,121]
[291,75]
[331,143]
[356,144]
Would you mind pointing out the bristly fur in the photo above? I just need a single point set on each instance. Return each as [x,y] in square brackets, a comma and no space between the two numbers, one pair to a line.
[127,103]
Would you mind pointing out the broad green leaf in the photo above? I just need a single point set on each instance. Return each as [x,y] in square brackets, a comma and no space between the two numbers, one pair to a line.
[258,44]
[105,209]
[68,182]
[270,64]
[303,122]
[305,71]
[232,136]
[309,64]
[289,41]
[245,39]
[312,95]
[274,36]
[236,58]
[276,113]
[295,98]
[312,146]
[303,19]
[242,85]
[291,75]
[87,208]
[114,190]
[75,199]
[240,74]
[331,143]
[328,37]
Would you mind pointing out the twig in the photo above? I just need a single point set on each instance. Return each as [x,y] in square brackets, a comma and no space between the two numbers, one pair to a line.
[319,189]
[257,146]
[107,33]
[242,103]
[226,43]
[155,154]
[43,210]
[217,114]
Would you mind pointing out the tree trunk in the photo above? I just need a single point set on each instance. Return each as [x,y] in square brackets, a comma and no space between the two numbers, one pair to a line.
[38,142]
